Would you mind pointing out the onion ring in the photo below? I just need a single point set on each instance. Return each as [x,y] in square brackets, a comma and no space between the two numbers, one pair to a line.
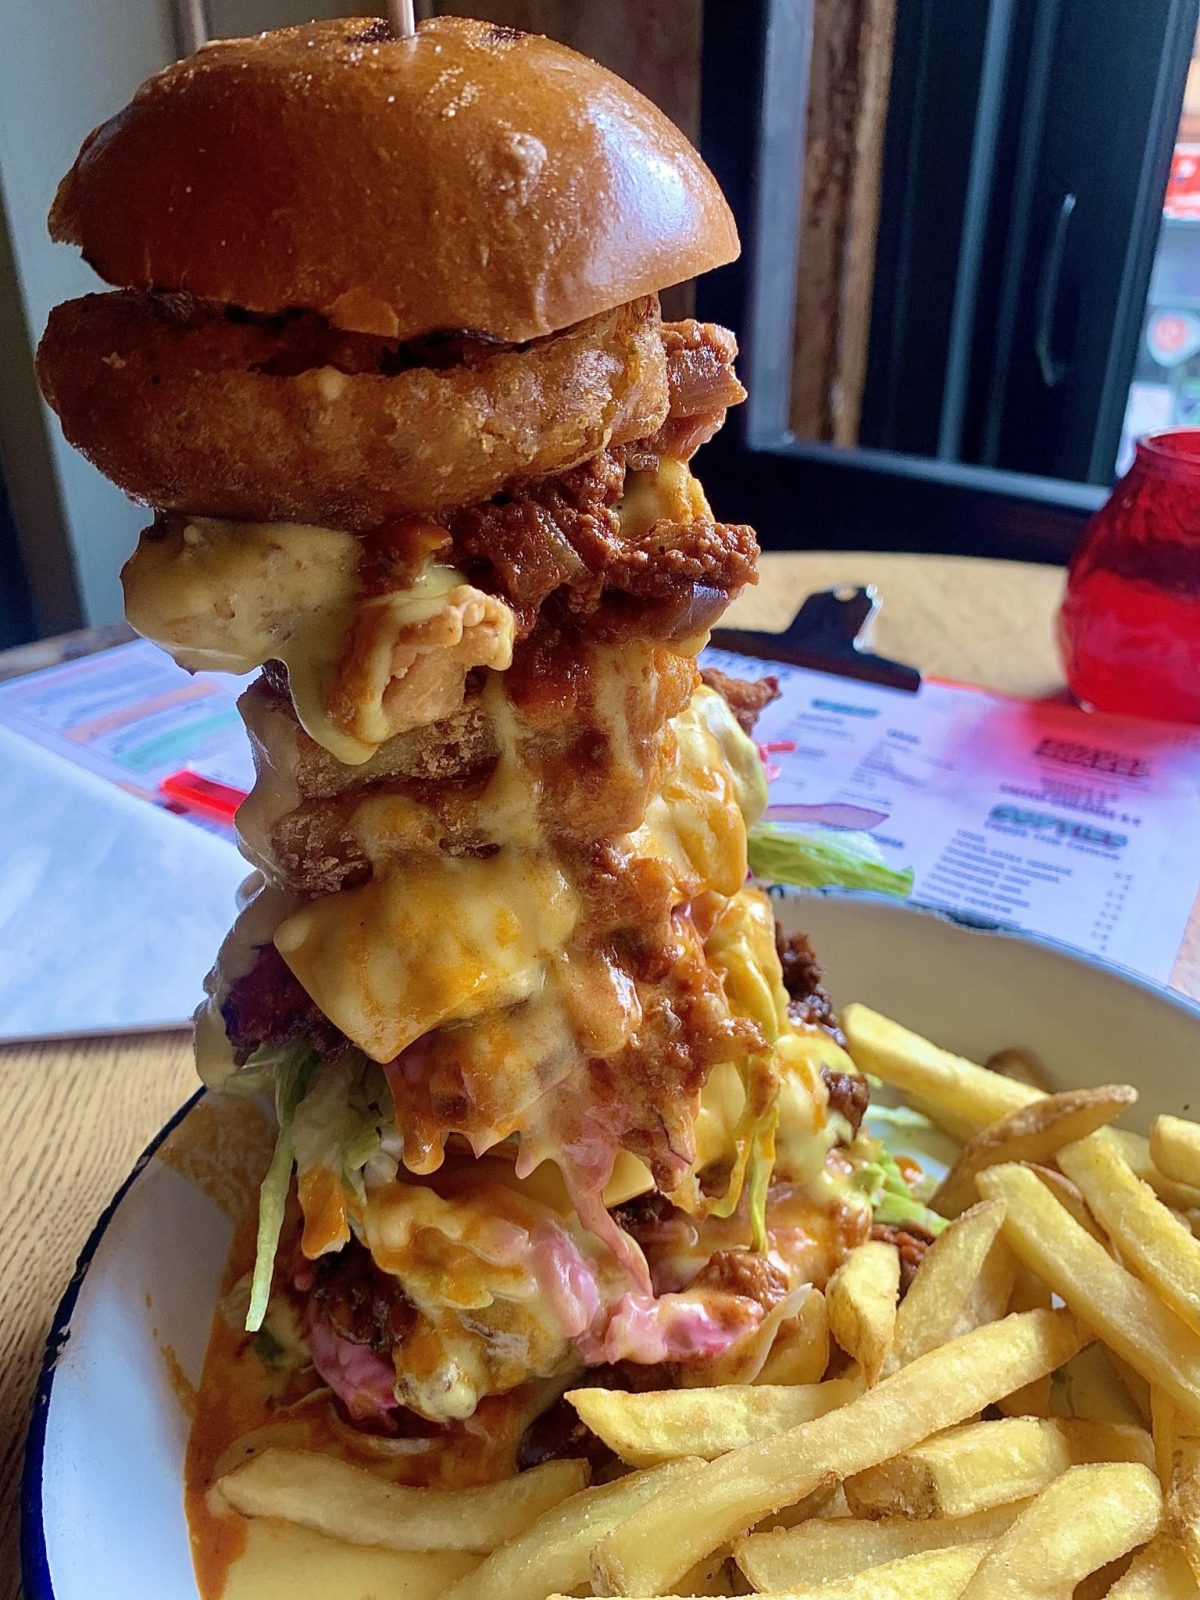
[204,414]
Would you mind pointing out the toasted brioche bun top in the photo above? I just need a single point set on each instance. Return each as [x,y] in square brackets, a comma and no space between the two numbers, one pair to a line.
[473,178]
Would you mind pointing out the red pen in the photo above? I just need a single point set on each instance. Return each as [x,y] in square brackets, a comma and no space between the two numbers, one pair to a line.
[195,793]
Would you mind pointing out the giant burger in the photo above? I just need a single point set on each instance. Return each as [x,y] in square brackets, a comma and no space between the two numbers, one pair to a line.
[384,356]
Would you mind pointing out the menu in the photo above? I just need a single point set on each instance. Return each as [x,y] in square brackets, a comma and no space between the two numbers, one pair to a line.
[1071,824]
[1081,827]
[131,715]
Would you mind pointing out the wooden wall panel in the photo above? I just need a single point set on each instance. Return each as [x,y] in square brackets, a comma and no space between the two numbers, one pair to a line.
[849,79]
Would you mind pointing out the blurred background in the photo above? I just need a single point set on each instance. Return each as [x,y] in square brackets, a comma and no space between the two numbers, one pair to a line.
[971,272]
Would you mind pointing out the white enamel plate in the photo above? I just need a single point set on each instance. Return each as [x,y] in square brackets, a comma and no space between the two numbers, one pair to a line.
[102,1495]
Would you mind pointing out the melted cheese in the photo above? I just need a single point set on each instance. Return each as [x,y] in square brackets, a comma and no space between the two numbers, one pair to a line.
[511,804]
[439,940]
[668,492]
[712,792]
[438,943]
[502,1286]
[227,596]
[741,948]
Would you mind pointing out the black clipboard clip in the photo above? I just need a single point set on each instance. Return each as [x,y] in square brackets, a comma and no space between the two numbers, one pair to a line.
[824,636]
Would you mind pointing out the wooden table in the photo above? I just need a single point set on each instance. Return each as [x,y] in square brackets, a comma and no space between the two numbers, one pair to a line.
[73,1117]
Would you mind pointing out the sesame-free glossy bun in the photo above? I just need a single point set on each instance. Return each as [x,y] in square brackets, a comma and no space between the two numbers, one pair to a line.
[473,178]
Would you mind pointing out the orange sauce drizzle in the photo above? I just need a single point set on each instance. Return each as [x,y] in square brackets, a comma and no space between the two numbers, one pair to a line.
[242,1405]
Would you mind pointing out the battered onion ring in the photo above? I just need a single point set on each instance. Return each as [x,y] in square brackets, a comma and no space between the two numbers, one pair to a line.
[209,416]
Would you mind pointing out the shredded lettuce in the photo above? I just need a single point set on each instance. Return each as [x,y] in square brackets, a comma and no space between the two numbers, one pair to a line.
[762,1164]
[818,858]
[892,1201]
[256,1077]
[293,1074]
[329,1128]
[338,1123]
[900,1116]
[897,1211]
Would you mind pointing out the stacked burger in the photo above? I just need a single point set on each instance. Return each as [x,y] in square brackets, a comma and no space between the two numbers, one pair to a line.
[386,356]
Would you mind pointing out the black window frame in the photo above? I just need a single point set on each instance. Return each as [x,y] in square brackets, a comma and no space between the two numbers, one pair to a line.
[801,494]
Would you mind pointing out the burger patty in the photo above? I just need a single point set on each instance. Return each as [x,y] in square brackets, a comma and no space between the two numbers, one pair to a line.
[809,1002]
[359,1302]
[564,534]
[266,1006]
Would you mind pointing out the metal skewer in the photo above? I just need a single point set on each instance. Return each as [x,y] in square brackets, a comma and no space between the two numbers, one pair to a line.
[401,19]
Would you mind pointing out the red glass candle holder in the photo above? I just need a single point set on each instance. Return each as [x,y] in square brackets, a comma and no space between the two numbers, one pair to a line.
[1129,628]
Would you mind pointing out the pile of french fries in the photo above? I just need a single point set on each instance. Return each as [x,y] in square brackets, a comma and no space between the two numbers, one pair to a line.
[1025,1421]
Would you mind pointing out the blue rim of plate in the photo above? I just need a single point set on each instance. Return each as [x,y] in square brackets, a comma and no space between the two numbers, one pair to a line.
[35,1568]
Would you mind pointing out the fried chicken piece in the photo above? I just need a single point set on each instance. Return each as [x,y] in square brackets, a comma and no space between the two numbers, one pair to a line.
[747,698]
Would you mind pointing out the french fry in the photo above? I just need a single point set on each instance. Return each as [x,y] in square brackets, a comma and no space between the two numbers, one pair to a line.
[554,1551]
[986,1464]
[1069,1197]
[711,1578]
[1175,1149]
[1150,1238]
[945,1279]
[331,1497]
[1159,1572]
[1082,1521]
[992,1290]
[820,1551]
[1135,1147]
[861,1297]
[1111,1301]
[664,1425]
[1034,1399]
[670,1533]
[826,1501]
[1177,1455]
[1134,1385]
[929,1575]
[988,1301]
[280,1561]
[1088,1387]
[958,1093]
[800,1352]
[965,1097]
[1032,1133]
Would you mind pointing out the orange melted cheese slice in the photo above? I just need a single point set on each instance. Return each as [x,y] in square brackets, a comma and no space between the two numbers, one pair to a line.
[443,941]
[709,795]
[436,944]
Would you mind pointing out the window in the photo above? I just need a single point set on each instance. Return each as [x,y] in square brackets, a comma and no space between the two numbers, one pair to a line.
[951,209]
[1165,391]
